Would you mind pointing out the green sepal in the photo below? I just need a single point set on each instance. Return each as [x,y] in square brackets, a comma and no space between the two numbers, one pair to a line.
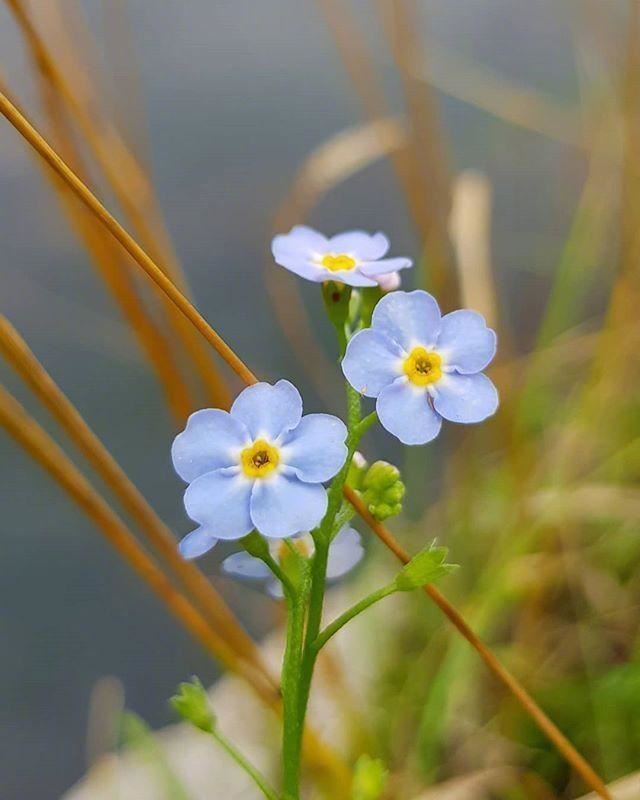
[369,778]
[383,490]
[255,545]
[429,565]
[336,298]
[192,704]
[357,470]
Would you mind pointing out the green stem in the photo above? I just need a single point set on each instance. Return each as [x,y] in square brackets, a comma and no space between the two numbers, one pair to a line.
[292,748]
[350,613]
[293,719]
[257,777]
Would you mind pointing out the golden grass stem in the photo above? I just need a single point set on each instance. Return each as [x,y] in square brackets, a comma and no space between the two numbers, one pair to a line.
[222,348]
[549,728]
[211,605]
[24,127]
[26,431]
[116,274]
[360,68]
[401,21]
[132,190]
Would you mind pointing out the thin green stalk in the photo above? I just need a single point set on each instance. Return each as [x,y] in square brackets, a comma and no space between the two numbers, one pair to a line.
[293,718]
[322,538]
[257,777]
[350,613]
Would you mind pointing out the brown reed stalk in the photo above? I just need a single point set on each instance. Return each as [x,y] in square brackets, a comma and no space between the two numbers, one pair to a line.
[222,348]
[132,190]
[50,456]
[549,728]
[16,351]
[401,21]
[24,127]
[117,275]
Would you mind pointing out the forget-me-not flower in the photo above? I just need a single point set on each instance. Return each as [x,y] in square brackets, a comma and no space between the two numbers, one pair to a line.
[354,257]
[422,367]
[260,465]
[345,551]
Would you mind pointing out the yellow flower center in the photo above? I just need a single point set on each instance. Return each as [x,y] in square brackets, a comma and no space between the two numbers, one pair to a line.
[422,366]
[334,263]
[259,459]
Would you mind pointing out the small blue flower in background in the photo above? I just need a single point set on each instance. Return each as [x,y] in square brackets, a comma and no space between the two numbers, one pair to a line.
[260,466]
[423,367]
[345,552]
[354,257]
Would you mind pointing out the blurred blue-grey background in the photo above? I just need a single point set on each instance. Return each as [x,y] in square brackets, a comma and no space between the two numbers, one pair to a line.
[234,96]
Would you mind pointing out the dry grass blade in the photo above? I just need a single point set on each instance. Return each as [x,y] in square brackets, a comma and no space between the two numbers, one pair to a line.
[555,735]
[470,227]
[116,274]
[26,431]
[24,127]
[211,605]
[401,21]
[131,187]
[360,68]
[147,264]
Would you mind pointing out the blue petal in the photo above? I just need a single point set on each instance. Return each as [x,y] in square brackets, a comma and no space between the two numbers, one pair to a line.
[242,565]
[210,440]
[197,543]
[301,242]
[465,342]
[371,362]
[315,449]
[386,265]
[268,411]
[283,506]
[360,244]
[345,552]
[220,501]
[274,588]
[405,411]
[465,398]
[305,269]
[352,277]
[409,318]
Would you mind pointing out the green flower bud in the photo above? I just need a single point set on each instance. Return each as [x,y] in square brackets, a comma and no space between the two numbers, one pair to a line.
[192,704]
[369,779]
[429,565]
[383,490]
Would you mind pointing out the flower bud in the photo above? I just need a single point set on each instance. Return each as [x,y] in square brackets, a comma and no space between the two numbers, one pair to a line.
[383,490]
[192,704]
[369,779]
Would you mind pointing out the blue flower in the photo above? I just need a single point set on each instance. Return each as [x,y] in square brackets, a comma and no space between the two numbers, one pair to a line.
[422,367]
[260,466]
[345,552]
[354,257]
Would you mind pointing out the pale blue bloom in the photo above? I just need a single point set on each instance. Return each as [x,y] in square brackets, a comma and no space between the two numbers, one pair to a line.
[354,257]
[345,552]
[260,466]
[423,367]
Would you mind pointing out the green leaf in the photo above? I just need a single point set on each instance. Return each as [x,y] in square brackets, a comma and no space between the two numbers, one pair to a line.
[192,704]
[369,779]
[429,565]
